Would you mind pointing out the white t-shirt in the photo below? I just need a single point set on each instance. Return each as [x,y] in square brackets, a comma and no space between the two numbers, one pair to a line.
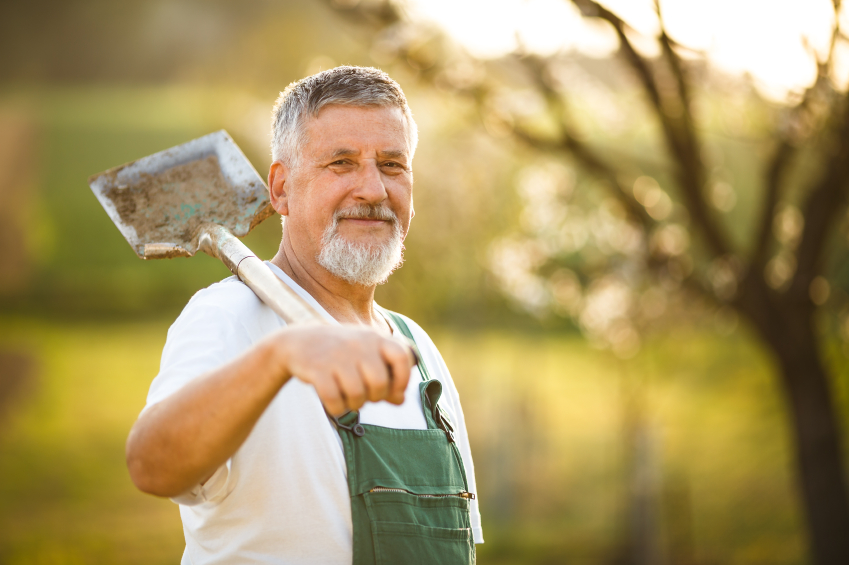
[283,497]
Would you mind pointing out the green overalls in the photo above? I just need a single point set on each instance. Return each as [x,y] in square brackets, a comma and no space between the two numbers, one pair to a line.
[409,493]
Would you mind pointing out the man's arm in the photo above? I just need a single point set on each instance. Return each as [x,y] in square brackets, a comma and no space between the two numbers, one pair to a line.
[181,441]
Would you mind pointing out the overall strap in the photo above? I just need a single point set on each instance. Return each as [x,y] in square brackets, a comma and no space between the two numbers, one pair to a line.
[405,331]
[430,389]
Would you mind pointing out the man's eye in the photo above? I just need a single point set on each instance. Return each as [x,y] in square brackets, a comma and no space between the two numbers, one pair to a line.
[340,162]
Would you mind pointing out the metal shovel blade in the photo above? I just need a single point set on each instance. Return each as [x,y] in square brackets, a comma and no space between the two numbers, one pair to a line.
[160,202]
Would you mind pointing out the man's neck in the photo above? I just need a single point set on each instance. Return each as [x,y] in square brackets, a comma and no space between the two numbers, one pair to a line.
[347,303]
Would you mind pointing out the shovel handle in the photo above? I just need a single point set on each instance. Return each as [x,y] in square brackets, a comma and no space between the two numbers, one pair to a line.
[218,242]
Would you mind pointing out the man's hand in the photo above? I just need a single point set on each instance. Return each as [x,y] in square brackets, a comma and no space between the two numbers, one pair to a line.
[182,440]
[347,365]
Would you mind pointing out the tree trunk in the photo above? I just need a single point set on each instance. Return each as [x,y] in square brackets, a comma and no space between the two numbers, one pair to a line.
[819,465]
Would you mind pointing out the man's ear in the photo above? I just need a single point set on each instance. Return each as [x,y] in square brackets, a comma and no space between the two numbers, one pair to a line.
[278,187]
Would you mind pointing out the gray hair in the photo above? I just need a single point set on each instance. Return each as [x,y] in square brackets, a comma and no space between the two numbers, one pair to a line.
[349,86]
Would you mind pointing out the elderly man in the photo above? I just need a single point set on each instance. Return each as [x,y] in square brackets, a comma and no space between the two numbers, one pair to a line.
[325,444]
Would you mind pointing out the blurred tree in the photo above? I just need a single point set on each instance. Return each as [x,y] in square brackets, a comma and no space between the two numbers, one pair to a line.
[635,249]
[17,180]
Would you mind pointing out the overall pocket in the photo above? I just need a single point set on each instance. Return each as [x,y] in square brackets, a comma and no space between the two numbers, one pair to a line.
[420,530]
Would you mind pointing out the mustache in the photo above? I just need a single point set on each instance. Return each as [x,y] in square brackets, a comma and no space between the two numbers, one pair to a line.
[366,212]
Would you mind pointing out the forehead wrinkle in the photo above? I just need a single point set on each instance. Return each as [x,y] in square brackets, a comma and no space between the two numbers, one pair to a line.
[342,152]
[347,152]
[393,153]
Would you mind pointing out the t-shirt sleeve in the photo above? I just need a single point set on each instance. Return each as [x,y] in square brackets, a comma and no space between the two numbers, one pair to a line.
[450,395]
[204,337]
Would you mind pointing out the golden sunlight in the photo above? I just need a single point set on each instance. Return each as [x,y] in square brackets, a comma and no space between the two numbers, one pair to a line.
[776,42]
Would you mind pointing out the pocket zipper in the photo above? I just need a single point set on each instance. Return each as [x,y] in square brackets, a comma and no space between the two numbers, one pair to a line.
[464,494]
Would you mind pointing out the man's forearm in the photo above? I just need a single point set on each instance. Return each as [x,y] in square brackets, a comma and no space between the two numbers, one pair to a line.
[182,440]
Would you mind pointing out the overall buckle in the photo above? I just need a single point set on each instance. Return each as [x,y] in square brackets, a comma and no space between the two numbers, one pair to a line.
[355,428]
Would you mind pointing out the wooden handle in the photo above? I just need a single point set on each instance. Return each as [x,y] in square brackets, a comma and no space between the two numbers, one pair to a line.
[218,242]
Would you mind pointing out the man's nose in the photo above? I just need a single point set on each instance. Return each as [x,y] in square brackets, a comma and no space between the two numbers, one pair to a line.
[370,187]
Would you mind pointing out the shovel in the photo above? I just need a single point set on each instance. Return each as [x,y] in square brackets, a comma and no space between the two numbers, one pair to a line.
[201,195]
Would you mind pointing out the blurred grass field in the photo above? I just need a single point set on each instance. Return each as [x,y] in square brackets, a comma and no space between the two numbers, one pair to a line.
[546,416]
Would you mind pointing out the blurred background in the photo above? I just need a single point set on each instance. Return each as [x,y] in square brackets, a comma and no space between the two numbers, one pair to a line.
[630,246]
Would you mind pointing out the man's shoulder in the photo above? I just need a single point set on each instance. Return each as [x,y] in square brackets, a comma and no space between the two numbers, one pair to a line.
[229,302]
[230,295]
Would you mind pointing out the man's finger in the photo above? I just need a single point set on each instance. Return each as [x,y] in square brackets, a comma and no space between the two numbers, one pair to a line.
[399,358]
[375,376]
[330,395]
[352,387]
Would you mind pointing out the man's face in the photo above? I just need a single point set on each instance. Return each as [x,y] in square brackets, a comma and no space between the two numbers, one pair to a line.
[355,158]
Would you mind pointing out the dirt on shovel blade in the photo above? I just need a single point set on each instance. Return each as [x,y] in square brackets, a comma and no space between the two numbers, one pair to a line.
[168,207]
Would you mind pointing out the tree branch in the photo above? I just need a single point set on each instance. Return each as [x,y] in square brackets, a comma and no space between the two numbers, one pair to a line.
[677,71]
[592,164]
[679,133]
[570,144]
[825,194]
[779,163]
[821,210]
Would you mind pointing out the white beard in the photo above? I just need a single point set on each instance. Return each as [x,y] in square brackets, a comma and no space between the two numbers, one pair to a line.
[361,264]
